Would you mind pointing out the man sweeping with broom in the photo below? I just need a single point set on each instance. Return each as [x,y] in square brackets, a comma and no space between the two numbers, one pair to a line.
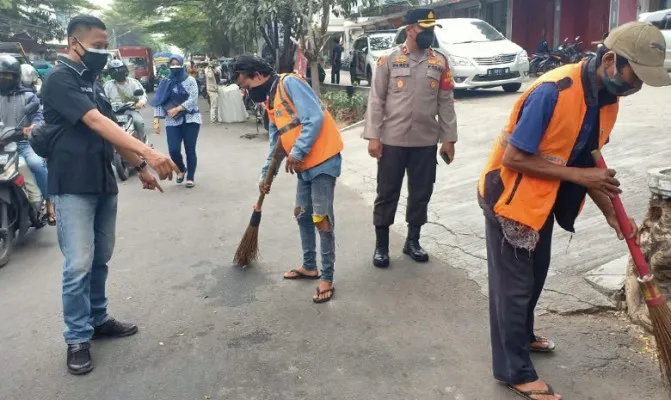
[301,131]
[540,170]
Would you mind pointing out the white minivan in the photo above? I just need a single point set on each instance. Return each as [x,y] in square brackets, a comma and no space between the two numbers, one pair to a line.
[479,55]
[662,20]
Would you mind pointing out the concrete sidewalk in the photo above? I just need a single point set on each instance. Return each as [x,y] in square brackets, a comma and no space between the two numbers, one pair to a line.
[455,232]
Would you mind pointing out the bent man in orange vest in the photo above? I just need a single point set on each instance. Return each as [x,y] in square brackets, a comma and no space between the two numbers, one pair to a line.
[540,170]
[311,140]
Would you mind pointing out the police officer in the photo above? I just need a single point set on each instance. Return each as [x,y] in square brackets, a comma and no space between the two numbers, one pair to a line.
[410,88]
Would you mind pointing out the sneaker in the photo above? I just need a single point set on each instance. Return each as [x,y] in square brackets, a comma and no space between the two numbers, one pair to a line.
[114,329]
[79,358]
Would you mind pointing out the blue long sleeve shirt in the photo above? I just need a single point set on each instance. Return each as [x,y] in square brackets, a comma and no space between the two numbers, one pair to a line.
[190,105]
[311,116]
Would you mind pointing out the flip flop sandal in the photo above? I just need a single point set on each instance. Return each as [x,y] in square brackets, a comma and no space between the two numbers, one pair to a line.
[527,395]
[325,299]
[549,349]
[298,275]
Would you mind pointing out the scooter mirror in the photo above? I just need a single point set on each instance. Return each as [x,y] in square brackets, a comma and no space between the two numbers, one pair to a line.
[138,92]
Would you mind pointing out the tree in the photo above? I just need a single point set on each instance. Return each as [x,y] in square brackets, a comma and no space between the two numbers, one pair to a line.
[196,26]
[126,30]
[317,36]
[38,18]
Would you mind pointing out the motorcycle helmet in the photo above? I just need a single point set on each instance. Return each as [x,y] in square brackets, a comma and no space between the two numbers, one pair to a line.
[117,70]
[10,73]
[29,75]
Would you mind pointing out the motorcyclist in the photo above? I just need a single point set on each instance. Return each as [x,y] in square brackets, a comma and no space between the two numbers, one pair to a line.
[13,98]
[163,71]
[30,78]
[120,90]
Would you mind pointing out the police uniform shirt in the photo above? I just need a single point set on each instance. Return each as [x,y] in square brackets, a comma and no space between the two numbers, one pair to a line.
[80,161]
[408,92]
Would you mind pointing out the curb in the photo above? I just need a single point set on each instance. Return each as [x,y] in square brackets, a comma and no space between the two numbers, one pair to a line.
[354,125]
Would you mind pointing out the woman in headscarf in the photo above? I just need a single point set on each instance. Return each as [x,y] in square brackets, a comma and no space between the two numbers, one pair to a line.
[176,101]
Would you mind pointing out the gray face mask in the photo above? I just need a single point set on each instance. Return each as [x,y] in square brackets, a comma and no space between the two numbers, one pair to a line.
[617,85]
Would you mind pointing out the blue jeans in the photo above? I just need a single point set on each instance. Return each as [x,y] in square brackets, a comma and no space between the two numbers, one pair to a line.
[314,200]
[36,165]
[188,132]
[86,231]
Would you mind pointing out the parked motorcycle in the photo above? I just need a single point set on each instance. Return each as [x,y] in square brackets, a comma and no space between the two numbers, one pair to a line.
[123,169]
[567,53]
[17,214]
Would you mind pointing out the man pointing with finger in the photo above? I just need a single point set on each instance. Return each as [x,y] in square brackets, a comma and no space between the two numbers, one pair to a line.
[540,170]
[412,86]
[82,184]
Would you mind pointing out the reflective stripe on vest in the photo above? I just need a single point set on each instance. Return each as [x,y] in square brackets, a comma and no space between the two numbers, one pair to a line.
[526,199]
[282,113]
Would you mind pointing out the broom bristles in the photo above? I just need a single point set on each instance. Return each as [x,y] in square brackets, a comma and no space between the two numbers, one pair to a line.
[248,250]
[661,324]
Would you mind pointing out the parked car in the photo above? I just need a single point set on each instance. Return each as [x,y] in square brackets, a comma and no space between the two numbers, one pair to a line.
[367,49]
[479,55]
[662,20]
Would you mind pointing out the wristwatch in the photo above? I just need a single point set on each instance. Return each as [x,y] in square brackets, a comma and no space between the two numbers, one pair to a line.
[142,166]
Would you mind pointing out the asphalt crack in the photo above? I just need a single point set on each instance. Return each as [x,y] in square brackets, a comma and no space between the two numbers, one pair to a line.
[457,247]
[594,308]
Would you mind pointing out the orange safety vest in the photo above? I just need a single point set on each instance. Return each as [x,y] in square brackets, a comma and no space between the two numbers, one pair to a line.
[282,113]
[526,199]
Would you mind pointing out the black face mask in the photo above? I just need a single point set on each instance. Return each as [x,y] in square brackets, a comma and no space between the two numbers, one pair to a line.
[7,86]
[93,59]
[424,39]
[260,93]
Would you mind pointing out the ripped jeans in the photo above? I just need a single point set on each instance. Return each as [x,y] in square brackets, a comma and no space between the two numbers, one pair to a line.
[314,212]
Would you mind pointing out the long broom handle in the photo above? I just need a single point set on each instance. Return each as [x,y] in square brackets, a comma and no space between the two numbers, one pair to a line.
[625,225]
[270,174]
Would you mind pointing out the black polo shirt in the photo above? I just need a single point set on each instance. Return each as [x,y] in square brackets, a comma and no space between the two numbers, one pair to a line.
[81,160]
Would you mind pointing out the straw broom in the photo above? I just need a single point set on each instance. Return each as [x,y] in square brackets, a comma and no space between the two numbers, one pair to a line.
[248,250]
[660,314]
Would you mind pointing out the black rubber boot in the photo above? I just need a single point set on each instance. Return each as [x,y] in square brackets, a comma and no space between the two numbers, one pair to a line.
[412,246]
[381,256]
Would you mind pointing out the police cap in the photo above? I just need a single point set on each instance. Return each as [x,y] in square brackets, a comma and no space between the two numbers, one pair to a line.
[424,17]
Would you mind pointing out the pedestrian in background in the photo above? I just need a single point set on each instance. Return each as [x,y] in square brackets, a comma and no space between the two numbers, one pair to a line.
[83,187]
[540,170]
[336,61]
[412,86]
[176,101]
[212,77]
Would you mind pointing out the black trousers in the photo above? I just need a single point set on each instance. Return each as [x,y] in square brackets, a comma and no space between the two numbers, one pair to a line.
[420,163]
[335,74]
[516,279]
